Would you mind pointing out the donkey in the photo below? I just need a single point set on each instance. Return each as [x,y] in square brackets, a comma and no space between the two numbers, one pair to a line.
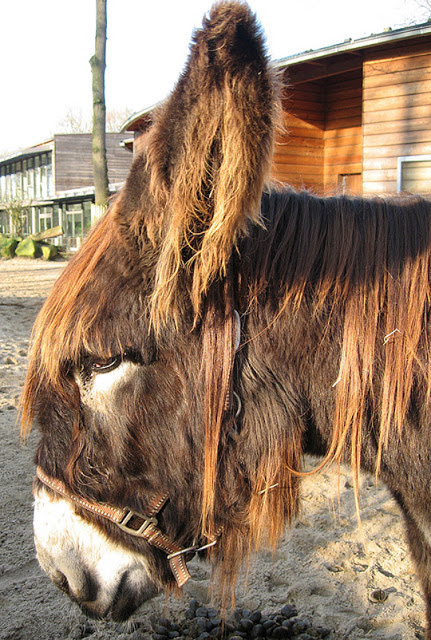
[213,329]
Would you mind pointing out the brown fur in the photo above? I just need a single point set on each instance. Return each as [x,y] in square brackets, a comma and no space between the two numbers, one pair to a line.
[334,301]
[204,191]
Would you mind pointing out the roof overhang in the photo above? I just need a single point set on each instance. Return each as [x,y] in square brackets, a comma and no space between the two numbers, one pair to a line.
[23,154]
[83,192]
[134,122]
[391,36]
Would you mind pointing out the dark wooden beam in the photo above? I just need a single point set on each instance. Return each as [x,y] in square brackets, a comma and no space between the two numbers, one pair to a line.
[320,69]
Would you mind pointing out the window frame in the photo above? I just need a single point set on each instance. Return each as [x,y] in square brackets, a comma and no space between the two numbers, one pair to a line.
[405,159]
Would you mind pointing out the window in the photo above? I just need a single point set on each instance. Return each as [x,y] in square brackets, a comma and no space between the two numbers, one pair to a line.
[30,184]
[18,185]
[75,221]
[43,182]
[8,187]
[414,174]
[50,184]
[78,220]
[45,218]
[37,182]
[4,222]
[3,184]
[26,221]
[56,216]
[27,179]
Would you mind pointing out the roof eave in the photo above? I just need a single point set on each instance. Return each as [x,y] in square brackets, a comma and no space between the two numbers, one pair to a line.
[350,46]
[137,116]
[21,154]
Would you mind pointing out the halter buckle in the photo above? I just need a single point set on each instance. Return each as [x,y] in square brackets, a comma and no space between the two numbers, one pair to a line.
[147,521]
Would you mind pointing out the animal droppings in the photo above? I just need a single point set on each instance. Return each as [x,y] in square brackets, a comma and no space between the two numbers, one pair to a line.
[202,623]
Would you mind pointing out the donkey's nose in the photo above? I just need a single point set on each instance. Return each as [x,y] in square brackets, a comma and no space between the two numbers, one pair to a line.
[82,590]
[105,579]
[117,603]
[77,584]
[129,597]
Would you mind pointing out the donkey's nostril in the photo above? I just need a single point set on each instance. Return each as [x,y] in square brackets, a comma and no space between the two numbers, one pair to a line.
[130,594]
[89,589]
[61,582]
[85,590]
[123,604]
[77,584]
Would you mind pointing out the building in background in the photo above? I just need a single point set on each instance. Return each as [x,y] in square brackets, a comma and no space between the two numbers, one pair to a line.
[357,116]
[53,183]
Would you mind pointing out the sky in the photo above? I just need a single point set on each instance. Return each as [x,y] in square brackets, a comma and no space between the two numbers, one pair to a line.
[46,45]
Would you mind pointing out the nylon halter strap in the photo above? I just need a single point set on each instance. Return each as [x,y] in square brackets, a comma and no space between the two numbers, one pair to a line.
[144,525]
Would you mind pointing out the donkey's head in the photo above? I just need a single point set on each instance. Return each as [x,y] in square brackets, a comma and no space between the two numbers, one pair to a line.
[131,369]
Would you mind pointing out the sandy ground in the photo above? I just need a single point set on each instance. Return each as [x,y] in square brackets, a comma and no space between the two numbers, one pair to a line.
[323,565]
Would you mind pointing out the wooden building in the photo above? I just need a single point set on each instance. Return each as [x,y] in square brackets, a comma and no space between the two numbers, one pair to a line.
[53,182]
[357,116]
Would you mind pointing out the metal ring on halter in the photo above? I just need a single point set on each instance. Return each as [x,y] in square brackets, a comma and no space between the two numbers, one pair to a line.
[239,403]
[237,329]
[190,549]
[262,491]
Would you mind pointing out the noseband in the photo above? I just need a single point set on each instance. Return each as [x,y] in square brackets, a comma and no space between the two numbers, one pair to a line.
[139,525]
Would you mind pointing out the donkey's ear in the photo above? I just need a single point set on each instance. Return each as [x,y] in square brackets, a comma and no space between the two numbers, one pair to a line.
[209,152]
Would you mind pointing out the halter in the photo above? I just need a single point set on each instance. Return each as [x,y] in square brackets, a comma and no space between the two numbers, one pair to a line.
[133,523]
[140,525]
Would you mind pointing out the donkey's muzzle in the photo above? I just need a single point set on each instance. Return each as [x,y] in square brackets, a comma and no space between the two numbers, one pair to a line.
[104,578]
[92,599]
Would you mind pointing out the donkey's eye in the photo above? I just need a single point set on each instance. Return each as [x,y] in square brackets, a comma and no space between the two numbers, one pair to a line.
[103,366]
[91,364]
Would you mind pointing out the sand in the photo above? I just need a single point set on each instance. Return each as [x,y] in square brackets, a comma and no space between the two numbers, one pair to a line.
[323,565]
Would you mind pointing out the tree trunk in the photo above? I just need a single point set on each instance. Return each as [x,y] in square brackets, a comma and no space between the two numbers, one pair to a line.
[97,62]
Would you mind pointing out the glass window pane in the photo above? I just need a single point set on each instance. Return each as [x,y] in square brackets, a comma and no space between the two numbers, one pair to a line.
[50,185]
[87,216]
[74,220]
[416,176]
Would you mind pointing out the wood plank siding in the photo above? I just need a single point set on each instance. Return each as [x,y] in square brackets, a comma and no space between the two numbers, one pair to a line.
[397,115]
[299,151]
[73,163]
[343,133]
[322,145]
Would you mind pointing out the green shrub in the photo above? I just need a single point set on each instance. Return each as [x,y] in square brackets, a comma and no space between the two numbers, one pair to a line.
[7,247]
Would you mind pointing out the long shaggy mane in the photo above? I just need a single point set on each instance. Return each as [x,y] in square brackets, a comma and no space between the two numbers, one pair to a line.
[357,271]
